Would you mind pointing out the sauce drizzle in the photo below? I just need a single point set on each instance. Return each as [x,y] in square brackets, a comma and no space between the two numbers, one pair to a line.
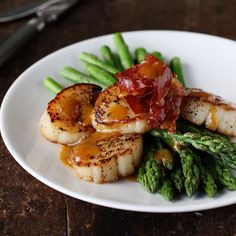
[66,155]
[213,119]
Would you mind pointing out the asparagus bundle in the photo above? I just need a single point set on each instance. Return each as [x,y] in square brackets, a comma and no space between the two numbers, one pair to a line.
[193,168]
[102,71]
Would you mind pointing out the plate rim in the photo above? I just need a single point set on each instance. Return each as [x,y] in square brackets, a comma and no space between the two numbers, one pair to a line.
[81,196]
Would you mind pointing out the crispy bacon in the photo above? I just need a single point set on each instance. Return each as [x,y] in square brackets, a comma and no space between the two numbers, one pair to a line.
[151,88]
[144,78]
[171,107]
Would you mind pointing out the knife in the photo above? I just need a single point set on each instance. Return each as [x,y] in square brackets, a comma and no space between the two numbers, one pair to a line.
[23,35]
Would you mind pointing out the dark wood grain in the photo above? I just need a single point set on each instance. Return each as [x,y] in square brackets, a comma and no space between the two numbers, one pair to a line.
[28,207]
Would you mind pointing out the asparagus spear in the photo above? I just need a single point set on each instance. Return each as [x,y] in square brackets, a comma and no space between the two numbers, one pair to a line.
[207,179]
[178,179]
[52,85]
[190,171]
[175,65]
[140,53]
[149,173]
[108,57]
[123,51]
[166,188]
[118,62]
[92,59]
[234,145]
[101,75]
[158,55]
[205,142]
[209,183]
[225,177]
[79,77]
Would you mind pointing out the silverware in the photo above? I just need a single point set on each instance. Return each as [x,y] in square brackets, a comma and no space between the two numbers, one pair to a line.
[26,10]
[46,12]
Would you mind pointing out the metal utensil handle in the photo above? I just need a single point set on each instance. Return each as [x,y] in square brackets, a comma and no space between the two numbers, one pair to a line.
[26,10]
[20,38]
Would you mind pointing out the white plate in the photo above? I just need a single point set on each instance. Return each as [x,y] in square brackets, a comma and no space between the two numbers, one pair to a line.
[209,62]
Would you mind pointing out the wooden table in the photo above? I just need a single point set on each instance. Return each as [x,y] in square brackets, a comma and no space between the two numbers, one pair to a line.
[27,206]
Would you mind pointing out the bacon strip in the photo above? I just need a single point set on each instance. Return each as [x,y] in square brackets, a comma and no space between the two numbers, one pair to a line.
[151,88]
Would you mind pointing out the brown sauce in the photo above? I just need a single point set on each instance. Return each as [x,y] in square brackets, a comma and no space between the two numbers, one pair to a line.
[73,115]
[83,152]
[117,112]
[86,111]
[151,70]
[132,177]
[213,119]
[66,155]
[87,148]
[163,155]
[69,107]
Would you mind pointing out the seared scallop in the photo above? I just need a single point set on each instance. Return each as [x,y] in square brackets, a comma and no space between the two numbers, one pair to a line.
[67,117]
[200,107]
[104,157]
[113,114]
